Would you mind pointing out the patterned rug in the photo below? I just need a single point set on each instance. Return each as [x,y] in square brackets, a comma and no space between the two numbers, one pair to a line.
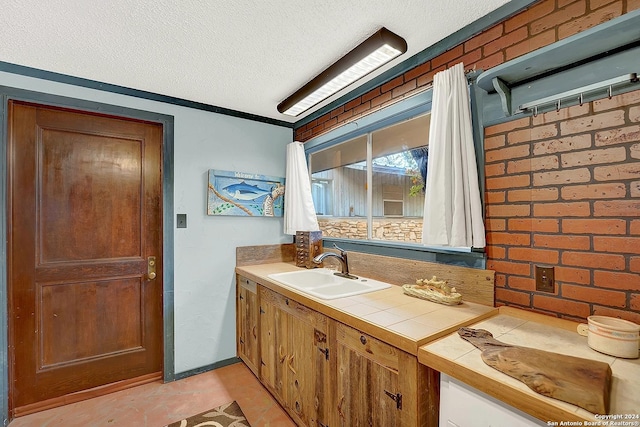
[229,415]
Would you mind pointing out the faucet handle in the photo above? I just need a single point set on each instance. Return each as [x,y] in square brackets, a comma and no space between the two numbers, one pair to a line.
[342,251]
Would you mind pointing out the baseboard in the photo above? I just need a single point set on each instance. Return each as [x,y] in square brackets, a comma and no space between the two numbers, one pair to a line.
[207,368]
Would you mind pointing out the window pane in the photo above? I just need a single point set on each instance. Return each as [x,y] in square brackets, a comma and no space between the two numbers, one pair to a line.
[399,169]
[339,178]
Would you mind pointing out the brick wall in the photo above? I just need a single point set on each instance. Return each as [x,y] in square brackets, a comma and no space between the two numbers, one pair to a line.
[542,24]
[563,189]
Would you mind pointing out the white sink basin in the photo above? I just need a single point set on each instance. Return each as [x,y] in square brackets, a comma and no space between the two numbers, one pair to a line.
[322,283]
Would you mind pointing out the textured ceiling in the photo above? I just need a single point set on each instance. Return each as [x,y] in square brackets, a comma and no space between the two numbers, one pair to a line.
[242,55]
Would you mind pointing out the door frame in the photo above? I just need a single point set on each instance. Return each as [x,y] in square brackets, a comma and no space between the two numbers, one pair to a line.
[167,121]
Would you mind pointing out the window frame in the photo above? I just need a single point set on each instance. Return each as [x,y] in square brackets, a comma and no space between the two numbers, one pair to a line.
[403,110]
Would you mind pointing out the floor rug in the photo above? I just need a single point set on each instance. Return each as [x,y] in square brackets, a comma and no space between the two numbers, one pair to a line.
[229,415]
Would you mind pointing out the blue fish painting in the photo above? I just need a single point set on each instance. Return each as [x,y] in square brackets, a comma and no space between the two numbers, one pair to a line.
[244,194]
[244,191]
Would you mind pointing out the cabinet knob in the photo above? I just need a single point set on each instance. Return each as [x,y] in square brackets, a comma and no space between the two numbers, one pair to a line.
[363,339]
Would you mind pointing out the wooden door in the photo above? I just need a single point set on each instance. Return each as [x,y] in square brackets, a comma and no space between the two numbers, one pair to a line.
[85,197]
[247,323]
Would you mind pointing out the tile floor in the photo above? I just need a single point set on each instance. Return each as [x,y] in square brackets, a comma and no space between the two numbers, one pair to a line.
[157,404]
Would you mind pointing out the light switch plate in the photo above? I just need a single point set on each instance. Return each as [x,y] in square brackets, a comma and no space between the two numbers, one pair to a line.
[545,279]
[181,220]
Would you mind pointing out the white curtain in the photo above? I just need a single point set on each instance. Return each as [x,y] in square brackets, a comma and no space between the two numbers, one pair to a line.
[299,211]
[452,208]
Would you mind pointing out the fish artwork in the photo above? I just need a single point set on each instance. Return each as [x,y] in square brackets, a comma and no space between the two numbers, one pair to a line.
[244,191]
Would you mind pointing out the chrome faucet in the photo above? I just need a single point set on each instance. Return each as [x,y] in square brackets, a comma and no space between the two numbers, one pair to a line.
[343,260]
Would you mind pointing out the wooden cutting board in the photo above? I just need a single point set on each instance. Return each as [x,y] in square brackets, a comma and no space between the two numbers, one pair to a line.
[582,382]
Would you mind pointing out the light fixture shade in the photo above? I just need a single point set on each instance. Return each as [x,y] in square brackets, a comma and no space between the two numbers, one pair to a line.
[374,52]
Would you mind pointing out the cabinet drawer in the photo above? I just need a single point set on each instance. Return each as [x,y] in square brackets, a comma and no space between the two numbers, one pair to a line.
[369,347]
[299,311]
[248,284]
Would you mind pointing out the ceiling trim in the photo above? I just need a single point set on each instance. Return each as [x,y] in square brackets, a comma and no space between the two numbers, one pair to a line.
[122,90]
[476,27]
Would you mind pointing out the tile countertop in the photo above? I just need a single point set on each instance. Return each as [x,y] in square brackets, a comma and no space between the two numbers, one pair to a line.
[389,315]
[458,358]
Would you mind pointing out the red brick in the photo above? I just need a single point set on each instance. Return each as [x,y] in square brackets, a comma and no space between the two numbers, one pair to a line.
[612,312]
[617,172]
[562,177]
[330,123]
[448,56]
[600,296]
[378,100]
[530,224]
[634,303]
[543,256]
[626,244]
[505,41]
[562,209]
[561,305]
[618,136]
[531,44]
[633,5]
[595,4]
[371,94]
[616,280]
[594,157]
[593,260]
[392,84]
[564,114]
[507,153]
[539,10]
[594,191]
[635,189]
[495,224]
[353,103]
[507,211]
[490,61]
[484,37]
[598,17]
[337,111]
[634,114]
[572,275]
[401,90]
[469,60]
[521,283]
[520,298]
[514,181]
[494,169]
[346,115]
[592,122]
[494,142]
[532,134]
[566,143]
[634,264]
[500,280]
[634,151]
[506,267]
[494,197]
[418,71]
[616,208]
[618,101]
[508,126]
[512,239]
[365,106]
[427,79]
[495,252]
[533,164]
[594,226]
[559,17]
[535,194]
[634,227]
[562,242]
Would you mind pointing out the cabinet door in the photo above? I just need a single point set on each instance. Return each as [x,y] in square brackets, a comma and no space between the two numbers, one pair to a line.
[368,391]
[247,323]
[273,346]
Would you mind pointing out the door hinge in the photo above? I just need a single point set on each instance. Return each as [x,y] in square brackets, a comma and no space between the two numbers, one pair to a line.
[325,351]
[396,398]
[261,310]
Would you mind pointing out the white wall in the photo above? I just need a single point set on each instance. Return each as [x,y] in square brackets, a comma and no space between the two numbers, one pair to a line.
[204,251]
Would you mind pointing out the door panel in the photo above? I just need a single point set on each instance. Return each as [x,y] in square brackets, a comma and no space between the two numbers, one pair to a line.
[85,213]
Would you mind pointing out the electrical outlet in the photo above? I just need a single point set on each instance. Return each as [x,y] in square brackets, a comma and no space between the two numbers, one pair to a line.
[544,279]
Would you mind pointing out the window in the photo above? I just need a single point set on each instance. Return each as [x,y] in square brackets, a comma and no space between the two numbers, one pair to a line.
[371,187]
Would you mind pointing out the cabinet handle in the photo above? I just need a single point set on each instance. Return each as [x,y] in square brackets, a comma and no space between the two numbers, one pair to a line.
[363,339]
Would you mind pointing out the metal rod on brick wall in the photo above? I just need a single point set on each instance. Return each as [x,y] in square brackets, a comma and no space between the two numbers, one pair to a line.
[606,85]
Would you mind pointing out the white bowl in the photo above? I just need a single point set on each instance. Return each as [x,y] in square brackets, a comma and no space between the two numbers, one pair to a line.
[612,336]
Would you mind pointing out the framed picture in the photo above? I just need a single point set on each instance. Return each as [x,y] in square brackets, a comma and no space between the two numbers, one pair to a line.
[244,194]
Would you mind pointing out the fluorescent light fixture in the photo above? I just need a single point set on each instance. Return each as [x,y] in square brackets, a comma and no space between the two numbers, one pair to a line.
[371,54]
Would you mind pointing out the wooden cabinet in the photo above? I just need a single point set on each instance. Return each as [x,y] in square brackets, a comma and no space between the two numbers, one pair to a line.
[247,323]
[378,384]
[295,355]
[325,373]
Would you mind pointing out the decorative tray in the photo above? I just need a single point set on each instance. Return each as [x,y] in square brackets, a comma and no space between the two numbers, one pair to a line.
[433,290]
